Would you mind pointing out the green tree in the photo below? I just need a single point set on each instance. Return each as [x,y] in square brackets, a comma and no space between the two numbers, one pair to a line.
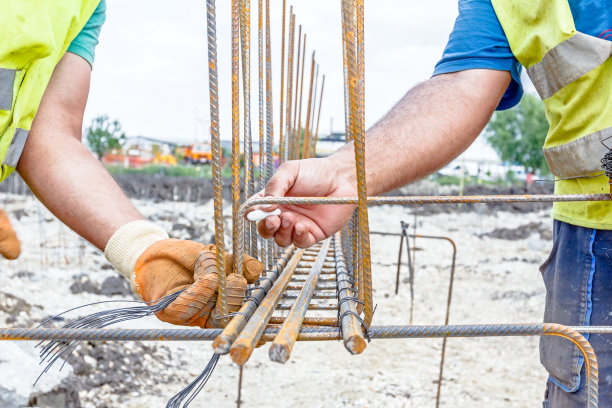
[518,134]
[104,135]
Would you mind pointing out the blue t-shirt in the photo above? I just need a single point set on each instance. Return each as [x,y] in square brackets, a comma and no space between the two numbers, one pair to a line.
[84,44]
[478,40]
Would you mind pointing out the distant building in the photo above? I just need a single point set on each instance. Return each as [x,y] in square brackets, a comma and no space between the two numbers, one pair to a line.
[327,145]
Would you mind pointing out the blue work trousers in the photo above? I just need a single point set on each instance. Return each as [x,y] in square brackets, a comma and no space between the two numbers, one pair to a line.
[578,280]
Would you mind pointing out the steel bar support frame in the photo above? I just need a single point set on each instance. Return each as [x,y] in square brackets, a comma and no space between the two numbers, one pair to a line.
[223,342]
[241,349]
[280,350]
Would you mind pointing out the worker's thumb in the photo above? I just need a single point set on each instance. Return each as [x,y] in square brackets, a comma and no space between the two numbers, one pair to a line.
[282,181]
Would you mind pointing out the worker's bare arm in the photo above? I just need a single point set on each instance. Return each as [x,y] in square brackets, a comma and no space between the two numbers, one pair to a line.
[430,126]
[62,173]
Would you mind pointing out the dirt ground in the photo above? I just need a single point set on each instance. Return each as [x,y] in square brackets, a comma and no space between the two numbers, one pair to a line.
[497,281]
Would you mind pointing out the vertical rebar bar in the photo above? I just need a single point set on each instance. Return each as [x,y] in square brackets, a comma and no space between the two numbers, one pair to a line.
[299,122]
[249,176]
[235,129]
[215,140]
[282,91]
[260,47]
[269,123]
[294,135]
[288,130]
[316,134]
[354,9]
[306,148]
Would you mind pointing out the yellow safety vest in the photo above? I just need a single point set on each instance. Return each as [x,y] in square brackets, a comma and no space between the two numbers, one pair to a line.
[34,35]
[572,73]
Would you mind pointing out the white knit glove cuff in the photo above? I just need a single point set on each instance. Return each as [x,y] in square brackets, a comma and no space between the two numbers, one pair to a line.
[129,242]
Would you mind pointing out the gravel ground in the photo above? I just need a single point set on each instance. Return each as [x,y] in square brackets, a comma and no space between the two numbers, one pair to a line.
[497,281]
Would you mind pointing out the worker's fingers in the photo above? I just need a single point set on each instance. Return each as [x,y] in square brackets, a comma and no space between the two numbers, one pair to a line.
[186,309]
[278,186]
[302,237]
[284,234]
[268,227]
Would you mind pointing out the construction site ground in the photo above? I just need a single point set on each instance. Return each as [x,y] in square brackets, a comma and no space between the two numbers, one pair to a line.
[497,281]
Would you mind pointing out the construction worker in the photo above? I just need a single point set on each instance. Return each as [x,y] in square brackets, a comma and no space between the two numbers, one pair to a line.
[46,56]
[565,49]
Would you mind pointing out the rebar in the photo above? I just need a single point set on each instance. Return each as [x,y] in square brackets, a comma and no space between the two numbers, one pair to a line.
[249,176]
[306,145]
[243,346]
[280,351]
[316,134]
[222,343]
[299,120]
[235,24]
[282,90]
[216,151]
[348,317]
[288,131]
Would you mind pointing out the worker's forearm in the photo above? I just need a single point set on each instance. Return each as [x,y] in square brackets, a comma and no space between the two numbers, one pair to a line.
[77,189]
[432,124]
[62,173]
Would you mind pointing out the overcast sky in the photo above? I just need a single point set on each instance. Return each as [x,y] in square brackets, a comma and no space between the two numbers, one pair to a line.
[151,67]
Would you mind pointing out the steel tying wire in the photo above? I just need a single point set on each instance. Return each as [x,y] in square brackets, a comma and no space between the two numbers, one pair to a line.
[288,130]
[235,24]
[281,143]
[56,349]
[249,176]
[211,21]
[189,393]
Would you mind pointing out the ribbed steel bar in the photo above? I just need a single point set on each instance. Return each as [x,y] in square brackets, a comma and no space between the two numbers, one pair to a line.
[281,141]
[288,127]
[327,306]
[222,343]
[260,71]
[357,97]
[306,147]
[314,108]
[280,350]
[241,349]
[312,321]
[215,142]
[299,120]
[249,176]
[235,24]
[316,134]
[324,333]
[410,200]
[295,133]
[269,123]
[352,331]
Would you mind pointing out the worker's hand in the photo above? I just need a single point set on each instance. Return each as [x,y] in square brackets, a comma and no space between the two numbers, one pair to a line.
[10,247]
[158,266]
[304,225]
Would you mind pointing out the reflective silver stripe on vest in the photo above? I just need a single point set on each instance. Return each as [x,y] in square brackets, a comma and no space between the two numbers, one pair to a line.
[7,81]
[580,157]
[16,148]
[567,62]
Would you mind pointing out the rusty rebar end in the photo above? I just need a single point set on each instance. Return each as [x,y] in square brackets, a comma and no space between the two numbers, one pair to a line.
[221,344]
[240,351]
[355,344]
[279,353]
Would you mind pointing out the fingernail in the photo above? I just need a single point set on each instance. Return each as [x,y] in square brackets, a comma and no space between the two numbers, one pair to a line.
[269,223]
[285,223]
[298,232]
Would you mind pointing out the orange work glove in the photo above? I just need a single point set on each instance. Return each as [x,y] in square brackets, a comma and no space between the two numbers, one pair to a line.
[159,266]
[10,247]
